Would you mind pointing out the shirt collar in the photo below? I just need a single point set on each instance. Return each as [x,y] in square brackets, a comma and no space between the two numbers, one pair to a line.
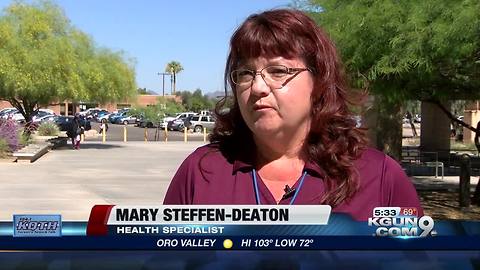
[247,165]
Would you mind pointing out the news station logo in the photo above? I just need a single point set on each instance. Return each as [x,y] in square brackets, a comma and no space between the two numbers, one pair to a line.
[37,225]
[401,222]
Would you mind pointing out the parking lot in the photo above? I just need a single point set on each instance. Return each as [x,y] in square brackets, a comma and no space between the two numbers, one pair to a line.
[115,134]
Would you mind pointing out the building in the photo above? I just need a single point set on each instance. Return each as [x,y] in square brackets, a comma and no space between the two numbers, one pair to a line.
[69,108]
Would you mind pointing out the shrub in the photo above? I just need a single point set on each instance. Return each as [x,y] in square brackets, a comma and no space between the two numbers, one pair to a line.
[9,133]
[48,129]
[4,148]
[25,139]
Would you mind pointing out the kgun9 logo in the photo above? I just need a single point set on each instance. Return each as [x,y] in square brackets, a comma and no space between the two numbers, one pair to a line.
[394,224]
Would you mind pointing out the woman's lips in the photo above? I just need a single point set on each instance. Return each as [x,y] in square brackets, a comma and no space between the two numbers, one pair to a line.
[261,107]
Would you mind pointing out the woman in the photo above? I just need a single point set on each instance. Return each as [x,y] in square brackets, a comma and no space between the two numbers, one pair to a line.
[289,137]
[75,132]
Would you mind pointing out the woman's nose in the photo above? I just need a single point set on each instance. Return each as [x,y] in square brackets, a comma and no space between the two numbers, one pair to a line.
[259,86]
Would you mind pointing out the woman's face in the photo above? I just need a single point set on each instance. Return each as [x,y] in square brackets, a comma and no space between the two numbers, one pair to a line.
[276,110]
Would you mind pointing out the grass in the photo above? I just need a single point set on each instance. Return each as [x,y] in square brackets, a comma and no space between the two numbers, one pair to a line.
[24,139]
[454,145]
[4,149]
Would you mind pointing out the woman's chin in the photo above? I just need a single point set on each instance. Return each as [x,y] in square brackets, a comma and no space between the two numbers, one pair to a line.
[265,128]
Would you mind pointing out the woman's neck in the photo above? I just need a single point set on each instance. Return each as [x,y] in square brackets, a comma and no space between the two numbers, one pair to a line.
[280,163]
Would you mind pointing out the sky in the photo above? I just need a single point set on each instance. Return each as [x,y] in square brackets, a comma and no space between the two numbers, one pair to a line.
[155,32]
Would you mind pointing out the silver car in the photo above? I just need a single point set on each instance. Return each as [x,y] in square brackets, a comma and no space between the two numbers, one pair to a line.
[198,122]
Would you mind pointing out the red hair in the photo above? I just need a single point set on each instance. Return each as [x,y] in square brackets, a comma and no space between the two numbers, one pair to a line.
[334,142]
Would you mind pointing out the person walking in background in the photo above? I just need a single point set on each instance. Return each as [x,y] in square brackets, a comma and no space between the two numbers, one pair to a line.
[75,132]
[103,125]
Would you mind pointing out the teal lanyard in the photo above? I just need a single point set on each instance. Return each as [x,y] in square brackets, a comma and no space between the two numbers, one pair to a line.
[257,193]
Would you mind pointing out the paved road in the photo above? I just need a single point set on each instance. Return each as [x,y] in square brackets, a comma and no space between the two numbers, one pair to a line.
[70,182]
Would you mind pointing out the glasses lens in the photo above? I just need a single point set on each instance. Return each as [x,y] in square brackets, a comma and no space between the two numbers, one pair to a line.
[276,73]
[242,76]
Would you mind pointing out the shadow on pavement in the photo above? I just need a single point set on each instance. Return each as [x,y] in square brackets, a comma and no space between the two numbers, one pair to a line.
[90,146]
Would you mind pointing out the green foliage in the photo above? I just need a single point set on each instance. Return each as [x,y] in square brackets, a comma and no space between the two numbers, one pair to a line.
[196,101]
[425,50]
[412,106]
[48,129]
[169,106]
[156,113]
[44,59]
[25,139]
[4,148]
[142,91]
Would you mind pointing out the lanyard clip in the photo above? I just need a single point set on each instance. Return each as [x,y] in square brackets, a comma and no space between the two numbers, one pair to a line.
[288,192]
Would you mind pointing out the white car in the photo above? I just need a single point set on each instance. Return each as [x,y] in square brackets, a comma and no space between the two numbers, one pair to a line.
[45,118]
[6,110]
[15,115]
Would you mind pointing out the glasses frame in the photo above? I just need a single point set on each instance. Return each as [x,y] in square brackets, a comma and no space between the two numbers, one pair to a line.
[291,71]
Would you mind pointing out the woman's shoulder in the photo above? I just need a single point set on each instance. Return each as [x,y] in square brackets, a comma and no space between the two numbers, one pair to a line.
[377,168]
[374,164]
[372,157]
[209,158]
[209,151]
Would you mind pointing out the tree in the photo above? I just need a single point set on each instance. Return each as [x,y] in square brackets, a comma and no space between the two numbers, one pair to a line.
[173,68]
[196,101]
[44,59]
[142,91]
[406,50]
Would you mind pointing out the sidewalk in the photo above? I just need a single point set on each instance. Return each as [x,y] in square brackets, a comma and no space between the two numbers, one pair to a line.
[70,182]
[425,183]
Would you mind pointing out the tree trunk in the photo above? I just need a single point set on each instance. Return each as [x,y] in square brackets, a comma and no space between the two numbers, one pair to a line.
[388,127]
[476,195]
[174,82]
[435,129]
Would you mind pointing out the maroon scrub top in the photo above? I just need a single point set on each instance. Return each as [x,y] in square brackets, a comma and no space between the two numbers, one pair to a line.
[208,177]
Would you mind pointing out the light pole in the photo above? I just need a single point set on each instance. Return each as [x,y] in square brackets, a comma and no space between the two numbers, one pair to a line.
[163,80]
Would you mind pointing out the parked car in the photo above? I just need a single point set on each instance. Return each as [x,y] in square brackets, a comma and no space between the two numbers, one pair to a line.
[198,122]
[15,115]
[130,119]
[64,123]
[147,123]
[179,124]
[40,114]
[45,118]
[101,115]
[88,112]
[178,116]
[113,117]
[100,112]
[6,110]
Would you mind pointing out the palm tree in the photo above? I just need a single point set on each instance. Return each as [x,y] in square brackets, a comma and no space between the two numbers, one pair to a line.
[174,67]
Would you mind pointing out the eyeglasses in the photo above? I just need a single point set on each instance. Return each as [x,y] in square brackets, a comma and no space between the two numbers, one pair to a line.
[276,76]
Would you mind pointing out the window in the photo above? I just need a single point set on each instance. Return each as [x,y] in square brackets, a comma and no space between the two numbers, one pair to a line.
[62,109]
